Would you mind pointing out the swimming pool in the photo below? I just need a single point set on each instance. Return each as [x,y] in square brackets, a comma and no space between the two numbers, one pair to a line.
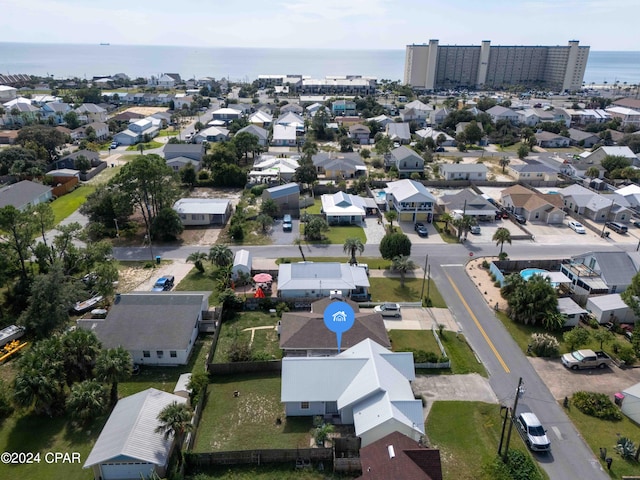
[527,273]
[381,196]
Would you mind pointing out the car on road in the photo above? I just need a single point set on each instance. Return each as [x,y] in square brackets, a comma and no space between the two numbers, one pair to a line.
[475,229]
[532,432]
[388,310]
[576,226]
[163,284]
[421,228]
[287,224]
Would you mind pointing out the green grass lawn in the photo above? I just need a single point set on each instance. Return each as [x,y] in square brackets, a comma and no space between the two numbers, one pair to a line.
[405,340]
[249,420]
[263,341]
[467,434]
[265,472]
[67,204]
[446,236]
[602,433]
[376,263]
[168,133]
[201,282]
[338,234]
[146,146]
[313,209]
[388,289]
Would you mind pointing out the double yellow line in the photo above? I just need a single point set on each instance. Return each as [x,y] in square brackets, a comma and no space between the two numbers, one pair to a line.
[475,319]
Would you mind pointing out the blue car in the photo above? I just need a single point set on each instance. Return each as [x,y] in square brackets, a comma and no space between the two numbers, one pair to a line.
[163,284]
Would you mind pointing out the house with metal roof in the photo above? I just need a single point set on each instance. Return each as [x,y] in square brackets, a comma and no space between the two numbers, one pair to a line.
[286,196]
[366,385]
[284,136]
[203,211]
[531,170]
[597,273]
[398,132]
[600,208]
[410,199]
[610,308]
[269,168]
[156,328]
[319,279]
[405,160]
[24,194]
[129,446]
[261,119]
[345,209]
[291,119]
[304,334]
[631,402]
[464,171]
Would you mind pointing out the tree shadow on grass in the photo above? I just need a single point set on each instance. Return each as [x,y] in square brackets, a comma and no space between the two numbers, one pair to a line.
[34,433]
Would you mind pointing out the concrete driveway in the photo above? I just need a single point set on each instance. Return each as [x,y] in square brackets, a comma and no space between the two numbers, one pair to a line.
[278,237]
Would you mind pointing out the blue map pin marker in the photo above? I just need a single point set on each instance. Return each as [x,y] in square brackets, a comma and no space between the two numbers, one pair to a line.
[339,317]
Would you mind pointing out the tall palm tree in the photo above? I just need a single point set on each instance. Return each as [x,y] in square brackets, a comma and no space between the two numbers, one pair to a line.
[592,172]
[175,421]
[351,246]
[220,255]
[113,366]
[80,349]
[265,221]
[502,235]
[87,401]
[299,241]
[391,215]
[402,264]
[447,219]
[197,258]
[504,162]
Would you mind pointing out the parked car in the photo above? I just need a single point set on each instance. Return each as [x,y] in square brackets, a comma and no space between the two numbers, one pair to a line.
[586,359]
[421,228]
[388,310]
[576,226]
[532,432]
[440,149]
[617,227]
[113,145]
[287,224]
[475,229]
[636,223]
[520,219]
[163,284]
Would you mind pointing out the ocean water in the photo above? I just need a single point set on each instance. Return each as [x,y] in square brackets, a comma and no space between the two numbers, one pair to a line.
[85,61]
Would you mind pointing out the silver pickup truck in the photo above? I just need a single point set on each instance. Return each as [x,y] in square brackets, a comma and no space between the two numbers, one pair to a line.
[586,359]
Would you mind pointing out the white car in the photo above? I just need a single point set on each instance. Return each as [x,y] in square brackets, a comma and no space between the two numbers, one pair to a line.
[576,226]
[388,310]
[532,432]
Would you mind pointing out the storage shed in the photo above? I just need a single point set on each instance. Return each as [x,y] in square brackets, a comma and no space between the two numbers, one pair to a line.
[182,386]
[631,403]
[610,308]
[241,263]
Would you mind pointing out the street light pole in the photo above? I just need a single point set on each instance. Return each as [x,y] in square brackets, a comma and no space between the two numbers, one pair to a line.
[424,274]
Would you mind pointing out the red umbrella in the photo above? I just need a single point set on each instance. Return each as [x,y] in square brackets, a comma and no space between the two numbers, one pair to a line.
[262,278]
[259,293]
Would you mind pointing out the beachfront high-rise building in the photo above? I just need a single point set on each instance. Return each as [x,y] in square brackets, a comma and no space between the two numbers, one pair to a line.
[432,66]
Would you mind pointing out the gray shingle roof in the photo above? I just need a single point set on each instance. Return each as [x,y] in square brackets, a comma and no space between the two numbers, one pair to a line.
[21,193]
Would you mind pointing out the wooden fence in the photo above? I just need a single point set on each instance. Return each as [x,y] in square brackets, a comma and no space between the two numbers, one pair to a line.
[66,187]
[244,367]
[258,457]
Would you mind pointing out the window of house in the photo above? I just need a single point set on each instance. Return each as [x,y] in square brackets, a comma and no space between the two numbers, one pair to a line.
[159,353]
[173,353]
[146,353]
[304,405]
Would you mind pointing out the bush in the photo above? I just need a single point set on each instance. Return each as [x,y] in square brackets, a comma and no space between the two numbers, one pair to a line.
[593,323]
[519,466]
[627,355]
[544,345]
[420,356]
[239,351]
[281,308]
[236,232]
[203,175]
[6,407]
[596,405]
[485,264]
[497,284]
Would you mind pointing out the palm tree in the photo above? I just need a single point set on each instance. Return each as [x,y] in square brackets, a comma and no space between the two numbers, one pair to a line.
[197,258]
[175,421]
[391,215]
[299,241]
[592,172]
[87,401]
[220,255]
[502,235]
[80,349]
[447,219]
[265,221]
[402,264]
[464,224]
[113,366]
[504,161]
[351,246]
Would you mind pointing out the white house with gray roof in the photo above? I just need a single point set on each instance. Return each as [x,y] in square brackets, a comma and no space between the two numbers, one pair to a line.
[156,328]
[256,131]
[406,160]
[345,209]
[597,273]
[464,171]
[600,208]
[24,194]
[532,170]
[203,211]
[610,308]
[498,112]
[129,446]
[398,132]
[319,279]
[410,199]
[367,386]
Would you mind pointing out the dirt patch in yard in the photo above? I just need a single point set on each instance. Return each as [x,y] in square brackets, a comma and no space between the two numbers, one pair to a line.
[146,110]
[131,277]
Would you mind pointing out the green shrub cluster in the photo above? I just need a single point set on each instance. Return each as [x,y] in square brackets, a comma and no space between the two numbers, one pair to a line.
[420,356]
[596,405]
[544,345]
[519,466]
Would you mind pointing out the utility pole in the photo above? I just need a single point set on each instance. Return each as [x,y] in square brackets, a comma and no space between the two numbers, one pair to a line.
[424,274]
[607,218]
[519,391]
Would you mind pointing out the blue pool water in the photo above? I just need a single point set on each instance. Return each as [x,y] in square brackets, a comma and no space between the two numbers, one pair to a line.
[527,273]
[381,195]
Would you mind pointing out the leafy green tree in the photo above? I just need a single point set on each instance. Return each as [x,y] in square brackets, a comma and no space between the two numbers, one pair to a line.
[603,336]
[44,136]
[113,366]
[383,145]
[175,421]
[402,264]
[19,229]
[614,162]
[167,224]
[80,349]
[501,236]
[107,274]
[20,161]
[220,255]
[631,295]
[197,385]
[188,175]
[473,132]
[315,228]
[88,399]
[265,221]
[395,244]
[197,258]
[530,301]
[592,172]
[576,338]
[71,119]
[107,206]
[51,297]
[352,246]
[269,207]
[306,174]
[246,142]
[523,150]
[82,163]
[391,216]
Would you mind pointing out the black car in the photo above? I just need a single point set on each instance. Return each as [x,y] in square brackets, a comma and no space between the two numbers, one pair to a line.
[520,219]
[636,223]
[421,228]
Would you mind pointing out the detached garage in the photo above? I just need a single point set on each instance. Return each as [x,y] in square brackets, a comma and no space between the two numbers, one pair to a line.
[610,308]
[129,448]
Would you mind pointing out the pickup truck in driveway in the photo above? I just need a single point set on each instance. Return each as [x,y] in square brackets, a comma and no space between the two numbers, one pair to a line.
[586,359]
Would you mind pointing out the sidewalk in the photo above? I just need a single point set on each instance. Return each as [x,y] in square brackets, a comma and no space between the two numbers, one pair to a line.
[418,318]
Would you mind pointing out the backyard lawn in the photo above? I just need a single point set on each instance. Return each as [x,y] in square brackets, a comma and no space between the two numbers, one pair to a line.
[145,146]
[265,341]
[338,234]
[264,472]
[249,420]
[201,282]
[388,289]
[67,204]
[313,209]
[405,340]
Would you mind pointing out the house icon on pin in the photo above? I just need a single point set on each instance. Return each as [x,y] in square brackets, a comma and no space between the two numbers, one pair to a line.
[339,316]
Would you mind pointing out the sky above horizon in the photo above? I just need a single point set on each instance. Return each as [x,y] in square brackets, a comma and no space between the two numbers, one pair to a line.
[333,24]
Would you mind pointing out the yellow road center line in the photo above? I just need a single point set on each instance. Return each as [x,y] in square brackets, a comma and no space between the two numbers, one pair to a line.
[475,319]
